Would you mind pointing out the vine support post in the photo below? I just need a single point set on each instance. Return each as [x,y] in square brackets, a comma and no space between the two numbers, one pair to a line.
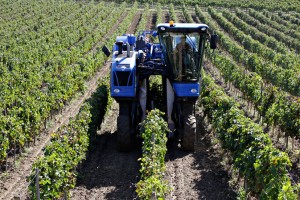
[65,195]
[15,152]
[34,138]
[6,162]
[37,184]
[273,129]
[286,140]
[260,110]
[153,196]
[278,136]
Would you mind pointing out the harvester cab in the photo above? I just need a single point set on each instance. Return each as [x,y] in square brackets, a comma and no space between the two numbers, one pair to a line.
[183,48]
[177,58]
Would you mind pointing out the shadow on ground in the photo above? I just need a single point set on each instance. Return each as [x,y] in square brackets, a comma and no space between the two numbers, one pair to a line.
[108,173]
[214,181]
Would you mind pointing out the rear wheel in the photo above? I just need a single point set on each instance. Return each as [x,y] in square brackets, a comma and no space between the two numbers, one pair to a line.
[124,136]
[189,127]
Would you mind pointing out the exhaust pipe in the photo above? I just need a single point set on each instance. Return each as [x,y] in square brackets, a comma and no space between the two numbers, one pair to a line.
[119,44]
[128,49]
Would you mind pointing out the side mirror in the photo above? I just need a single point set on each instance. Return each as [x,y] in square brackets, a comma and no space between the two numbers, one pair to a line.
[213,41]
[106,51]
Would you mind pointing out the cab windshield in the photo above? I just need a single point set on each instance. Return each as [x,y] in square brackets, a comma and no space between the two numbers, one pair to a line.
[184,54]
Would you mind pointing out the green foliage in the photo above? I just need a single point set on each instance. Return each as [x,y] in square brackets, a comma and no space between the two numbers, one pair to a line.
[272,5]
[254,41]
[281,35]
[277,107]
[144,19]
[46,61]
[186,14]
[68,147]
[263,166]
[173,16]
[42,69]
[153,132]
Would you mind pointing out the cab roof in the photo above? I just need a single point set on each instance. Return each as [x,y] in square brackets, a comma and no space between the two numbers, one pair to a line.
[182,27]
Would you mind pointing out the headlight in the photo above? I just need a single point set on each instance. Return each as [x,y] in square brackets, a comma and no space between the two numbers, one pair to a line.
[116,90]
[193,90]
[123,66]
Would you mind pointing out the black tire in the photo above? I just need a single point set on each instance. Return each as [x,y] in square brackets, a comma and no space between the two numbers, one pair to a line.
[189,134]
[189,128]
[124,128]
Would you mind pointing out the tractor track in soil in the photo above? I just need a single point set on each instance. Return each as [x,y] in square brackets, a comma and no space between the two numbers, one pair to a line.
[14,183]
[197,176]
[108,173]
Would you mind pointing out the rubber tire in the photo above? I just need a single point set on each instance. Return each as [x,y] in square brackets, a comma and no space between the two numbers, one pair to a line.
[189,130]
[123,130]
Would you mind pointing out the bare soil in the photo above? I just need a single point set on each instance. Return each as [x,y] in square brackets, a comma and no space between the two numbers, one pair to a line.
[199,174]
[108,173]
[134,23]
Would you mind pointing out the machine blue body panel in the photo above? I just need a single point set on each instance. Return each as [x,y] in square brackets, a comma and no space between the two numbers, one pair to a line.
[124,91]
[123,76]
[123,69]
[187,89]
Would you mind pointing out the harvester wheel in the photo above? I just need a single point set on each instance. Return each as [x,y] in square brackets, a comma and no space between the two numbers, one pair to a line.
[189,130]
[124,129]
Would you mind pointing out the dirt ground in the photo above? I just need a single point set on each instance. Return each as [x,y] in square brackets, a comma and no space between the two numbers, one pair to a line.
[110,174]
[199,174]
[107,173]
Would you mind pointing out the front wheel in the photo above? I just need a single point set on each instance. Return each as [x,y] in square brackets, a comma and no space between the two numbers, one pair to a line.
[189,133]
[189,127]
[124,128]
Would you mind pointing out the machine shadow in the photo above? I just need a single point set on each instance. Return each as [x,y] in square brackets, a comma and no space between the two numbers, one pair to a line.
[108,170]
[214,181]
